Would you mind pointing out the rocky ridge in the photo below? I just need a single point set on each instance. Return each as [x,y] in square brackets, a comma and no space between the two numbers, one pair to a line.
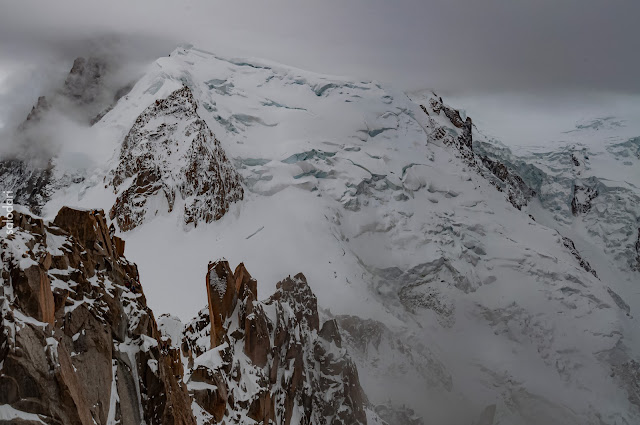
[267,361]
[78,344]
[365,172]
[502,177]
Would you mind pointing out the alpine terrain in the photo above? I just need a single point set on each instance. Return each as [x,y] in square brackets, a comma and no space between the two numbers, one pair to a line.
[237,241]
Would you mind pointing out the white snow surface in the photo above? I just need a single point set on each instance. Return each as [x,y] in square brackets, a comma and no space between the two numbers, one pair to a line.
[344,184]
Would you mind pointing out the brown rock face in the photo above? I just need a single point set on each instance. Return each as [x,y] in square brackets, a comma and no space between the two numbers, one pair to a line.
[277,345]
[78,345]
[221,292]
[33,292]
[119,245]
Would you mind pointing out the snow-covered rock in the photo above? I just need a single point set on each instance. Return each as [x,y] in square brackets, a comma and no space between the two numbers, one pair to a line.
[78,344]
[267,361]
[170,156]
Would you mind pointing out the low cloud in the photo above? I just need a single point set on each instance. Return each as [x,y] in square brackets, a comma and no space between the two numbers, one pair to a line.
[457,46]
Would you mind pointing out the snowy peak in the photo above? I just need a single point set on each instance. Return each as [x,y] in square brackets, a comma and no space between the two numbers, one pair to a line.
[170,155]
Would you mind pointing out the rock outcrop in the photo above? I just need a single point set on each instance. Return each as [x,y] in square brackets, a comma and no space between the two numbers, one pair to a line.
[499,175]
[36,113]
[637,247]
[518,193]
[78,344]
[268,361]
[582,198]
[398,415]
[568,243]
[84,82]
[171,156]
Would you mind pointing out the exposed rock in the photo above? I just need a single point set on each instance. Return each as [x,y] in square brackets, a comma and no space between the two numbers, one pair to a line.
[29,173]
[499,175]
[201,174]
[78,345]
[637,247]
[29,182]
[518,193]
[119,246]
[575,160]
[363,333]
[83,84]
[582,197]
[196,337]
[36,113]
[424,287]
[221,292]
[299,372]
[369,342]
[568,243]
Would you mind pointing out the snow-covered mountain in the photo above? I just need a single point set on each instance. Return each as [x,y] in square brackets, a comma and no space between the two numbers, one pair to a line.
[465,282]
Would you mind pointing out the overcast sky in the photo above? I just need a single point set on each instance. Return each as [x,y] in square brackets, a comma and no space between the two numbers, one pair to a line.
[541,46]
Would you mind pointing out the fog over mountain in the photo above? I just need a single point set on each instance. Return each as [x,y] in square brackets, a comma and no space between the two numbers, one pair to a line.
[294,213]
[460,44]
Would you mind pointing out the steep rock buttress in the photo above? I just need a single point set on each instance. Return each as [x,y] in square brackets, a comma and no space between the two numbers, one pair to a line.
[170,157]
[78,344]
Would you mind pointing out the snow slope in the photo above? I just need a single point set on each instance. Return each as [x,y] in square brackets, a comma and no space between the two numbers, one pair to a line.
[355,185]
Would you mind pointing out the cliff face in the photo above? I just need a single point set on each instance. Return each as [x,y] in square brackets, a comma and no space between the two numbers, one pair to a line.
[78,344]
[268,361]
[171,156]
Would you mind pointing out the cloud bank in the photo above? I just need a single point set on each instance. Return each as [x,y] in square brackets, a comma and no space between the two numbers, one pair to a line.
[454,46]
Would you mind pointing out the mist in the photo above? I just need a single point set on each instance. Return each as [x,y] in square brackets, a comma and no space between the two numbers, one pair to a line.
[460,44]
[460,47]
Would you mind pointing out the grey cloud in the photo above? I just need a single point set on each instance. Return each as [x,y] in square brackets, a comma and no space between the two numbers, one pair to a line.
[457,45]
